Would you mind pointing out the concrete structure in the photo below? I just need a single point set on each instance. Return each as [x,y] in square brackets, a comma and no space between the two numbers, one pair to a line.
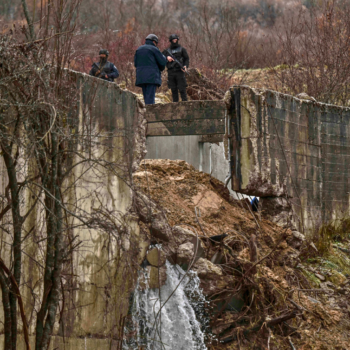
[106,142]
[206,157]
[293,153]
[195,118]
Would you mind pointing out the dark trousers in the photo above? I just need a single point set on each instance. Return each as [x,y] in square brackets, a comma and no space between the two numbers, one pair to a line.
[177,82]
[149,93]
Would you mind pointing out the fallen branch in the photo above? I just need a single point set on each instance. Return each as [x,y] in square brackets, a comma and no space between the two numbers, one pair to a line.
[268,324]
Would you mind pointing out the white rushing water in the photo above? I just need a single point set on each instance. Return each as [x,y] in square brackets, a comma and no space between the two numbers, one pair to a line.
[176,326]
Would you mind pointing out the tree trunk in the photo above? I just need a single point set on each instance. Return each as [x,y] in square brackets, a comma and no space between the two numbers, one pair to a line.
[7,310]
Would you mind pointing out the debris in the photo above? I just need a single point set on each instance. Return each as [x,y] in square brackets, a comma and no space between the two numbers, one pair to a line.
[291,294]
[201,88]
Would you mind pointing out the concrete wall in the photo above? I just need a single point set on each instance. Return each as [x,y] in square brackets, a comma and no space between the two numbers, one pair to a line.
[292,153]
[189,148]
[292,149]
[107,129]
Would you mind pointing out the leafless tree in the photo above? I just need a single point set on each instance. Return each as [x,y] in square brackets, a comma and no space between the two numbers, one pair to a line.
[313,48]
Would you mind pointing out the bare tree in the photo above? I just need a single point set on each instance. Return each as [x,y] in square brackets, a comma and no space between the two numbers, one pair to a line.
[313,48]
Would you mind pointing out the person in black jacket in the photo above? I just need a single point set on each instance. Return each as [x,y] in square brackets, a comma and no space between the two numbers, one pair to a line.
[176,75]
[104,69]
[149,63]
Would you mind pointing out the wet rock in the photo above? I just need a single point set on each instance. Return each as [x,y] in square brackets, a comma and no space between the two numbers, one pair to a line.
[157,276]
[156,257]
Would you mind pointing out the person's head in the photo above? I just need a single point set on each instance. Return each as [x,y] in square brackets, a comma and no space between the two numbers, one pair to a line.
[103,54]
[174,38]
[153,38]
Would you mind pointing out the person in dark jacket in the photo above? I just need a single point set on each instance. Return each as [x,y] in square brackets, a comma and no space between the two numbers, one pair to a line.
[149,63]
[104,69]
[176,75]
[255,204]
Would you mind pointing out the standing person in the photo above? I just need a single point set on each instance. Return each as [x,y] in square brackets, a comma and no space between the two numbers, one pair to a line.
[176,75]
[104,69]
[149,63]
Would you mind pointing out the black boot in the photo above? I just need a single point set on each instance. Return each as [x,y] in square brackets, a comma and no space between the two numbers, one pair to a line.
[175,93]
[183,94]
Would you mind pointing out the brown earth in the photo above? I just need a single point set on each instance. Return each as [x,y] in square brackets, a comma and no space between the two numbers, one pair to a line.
[270,269]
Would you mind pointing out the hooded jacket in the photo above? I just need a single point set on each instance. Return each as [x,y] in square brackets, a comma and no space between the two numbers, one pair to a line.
[149,63]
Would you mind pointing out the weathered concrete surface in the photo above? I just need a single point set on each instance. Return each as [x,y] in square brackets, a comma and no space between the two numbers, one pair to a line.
[292,148]
[281,147]
[186,118]
[97,276]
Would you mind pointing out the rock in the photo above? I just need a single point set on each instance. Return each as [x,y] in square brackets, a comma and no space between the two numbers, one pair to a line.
[157,276]
[206,269]
[276,209]
[156,257]
[207,200]
[298,235]
[320,277]
[149,213]
[142,174]
[182,234]
[296,239]
[212,278]
[305,96]
[184,254]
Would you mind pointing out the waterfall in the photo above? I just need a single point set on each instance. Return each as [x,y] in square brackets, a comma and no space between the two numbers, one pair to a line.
[176,326]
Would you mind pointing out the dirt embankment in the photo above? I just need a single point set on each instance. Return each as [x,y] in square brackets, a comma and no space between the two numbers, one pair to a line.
[267,285]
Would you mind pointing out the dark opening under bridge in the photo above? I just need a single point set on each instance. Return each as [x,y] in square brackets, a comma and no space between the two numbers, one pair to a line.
[293,153]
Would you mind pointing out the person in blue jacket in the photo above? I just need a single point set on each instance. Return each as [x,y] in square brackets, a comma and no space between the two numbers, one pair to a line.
[149,63]
[104,69]
[255,204]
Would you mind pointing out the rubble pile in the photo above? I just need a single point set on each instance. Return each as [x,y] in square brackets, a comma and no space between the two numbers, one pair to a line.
[267,285]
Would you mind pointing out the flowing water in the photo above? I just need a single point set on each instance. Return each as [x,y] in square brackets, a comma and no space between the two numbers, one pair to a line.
[176,326]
